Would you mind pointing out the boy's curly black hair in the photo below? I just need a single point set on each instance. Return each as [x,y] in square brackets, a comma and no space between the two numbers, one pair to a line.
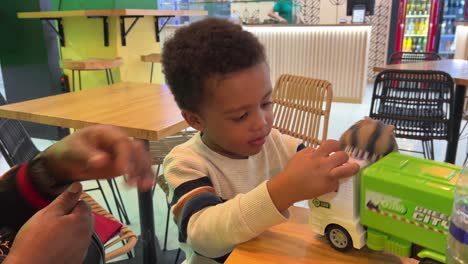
[204,49]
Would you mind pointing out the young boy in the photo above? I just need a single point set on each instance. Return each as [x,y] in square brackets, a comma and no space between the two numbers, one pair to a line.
[238,176]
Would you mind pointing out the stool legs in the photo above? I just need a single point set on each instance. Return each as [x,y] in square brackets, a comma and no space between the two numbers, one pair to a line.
[109,76]
[151,74]
[122,212]
[73,79]
[79,79]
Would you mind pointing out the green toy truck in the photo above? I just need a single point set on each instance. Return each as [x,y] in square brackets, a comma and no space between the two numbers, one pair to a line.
[400,204]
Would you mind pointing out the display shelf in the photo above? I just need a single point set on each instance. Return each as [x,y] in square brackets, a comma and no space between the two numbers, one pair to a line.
[416,35]
[417,16]
[136,14]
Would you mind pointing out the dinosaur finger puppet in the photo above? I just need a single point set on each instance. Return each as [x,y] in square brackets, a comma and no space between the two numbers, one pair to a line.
[369,139]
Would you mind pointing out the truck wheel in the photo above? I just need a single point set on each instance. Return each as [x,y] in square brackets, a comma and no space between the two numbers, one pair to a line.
[428,261]
[339,238]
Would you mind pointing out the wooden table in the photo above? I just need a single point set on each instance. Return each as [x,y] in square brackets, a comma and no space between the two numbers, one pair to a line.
[294,242]
[144,111]
[458,69]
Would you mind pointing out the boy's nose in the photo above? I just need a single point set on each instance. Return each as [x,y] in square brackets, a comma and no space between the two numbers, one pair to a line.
[260,121]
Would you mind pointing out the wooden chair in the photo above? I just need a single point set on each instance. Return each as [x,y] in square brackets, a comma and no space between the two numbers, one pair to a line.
[153,58]
[417,103]
[126,236]
[93,64]
[302,108]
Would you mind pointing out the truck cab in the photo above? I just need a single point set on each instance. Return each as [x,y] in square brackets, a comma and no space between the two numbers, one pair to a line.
[336,215]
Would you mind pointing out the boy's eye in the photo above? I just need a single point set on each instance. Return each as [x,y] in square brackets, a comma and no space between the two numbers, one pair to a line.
[267,104]
[240,118]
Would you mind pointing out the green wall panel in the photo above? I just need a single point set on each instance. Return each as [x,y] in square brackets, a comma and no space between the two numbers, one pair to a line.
[136,4]
[83,4]
[22,40]
[29,58]
[104,4]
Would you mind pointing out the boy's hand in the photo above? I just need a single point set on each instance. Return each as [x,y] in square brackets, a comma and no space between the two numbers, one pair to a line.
[311,173]
[59,233]
[99,152]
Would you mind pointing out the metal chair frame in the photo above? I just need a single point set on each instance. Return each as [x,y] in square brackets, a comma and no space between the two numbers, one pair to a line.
[418,103]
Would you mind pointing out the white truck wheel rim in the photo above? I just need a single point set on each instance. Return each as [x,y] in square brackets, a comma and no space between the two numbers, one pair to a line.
[338,238]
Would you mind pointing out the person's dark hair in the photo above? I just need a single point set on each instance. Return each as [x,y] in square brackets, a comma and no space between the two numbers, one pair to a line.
[208,48]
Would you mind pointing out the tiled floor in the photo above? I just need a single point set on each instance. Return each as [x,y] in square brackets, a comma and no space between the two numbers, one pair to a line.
[342,116]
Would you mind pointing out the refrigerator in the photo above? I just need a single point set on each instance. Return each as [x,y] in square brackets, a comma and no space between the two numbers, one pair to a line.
[425,25]
[452,11]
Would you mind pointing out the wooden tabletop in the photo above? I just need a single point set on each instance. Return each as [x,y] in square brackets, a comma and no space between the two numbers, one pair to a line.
[294,242]
[458,69]
[145,111]
[461,23]
[111,12]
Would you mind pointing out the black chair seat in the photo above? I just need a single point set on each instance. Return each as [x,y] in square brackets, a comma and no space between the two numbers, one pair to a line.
[407,57]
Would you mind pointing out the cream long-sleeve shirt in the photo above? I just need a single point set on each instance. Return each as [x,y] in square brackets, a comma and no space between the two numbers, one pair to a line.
[219,202]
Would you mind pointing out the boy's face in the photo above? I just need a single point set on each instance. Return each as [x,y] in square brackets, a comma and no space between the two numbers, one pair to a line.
[236,116]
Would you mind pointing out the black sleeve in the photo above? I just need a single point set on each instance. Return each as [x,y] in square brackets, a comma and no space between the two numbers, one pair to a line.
[14,210]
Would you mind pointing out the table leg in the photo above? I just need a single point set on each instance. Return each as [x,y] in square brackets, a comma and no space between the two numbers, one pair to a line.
[452,145]
[148,236]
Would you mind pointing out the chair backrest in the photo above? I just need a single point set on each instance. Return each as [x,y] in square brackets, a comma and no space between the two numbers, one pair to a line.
[16,145]
[417,103]
[407,57]
[302,108]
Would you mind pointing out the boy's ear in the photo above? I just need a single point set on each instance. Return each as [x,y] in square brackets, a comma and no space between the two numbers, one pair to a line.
[193,119]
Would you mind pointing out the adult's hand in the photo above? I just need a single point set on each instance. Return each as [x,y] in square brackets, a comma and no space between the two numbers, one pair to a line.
[99,152]
[59,233]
